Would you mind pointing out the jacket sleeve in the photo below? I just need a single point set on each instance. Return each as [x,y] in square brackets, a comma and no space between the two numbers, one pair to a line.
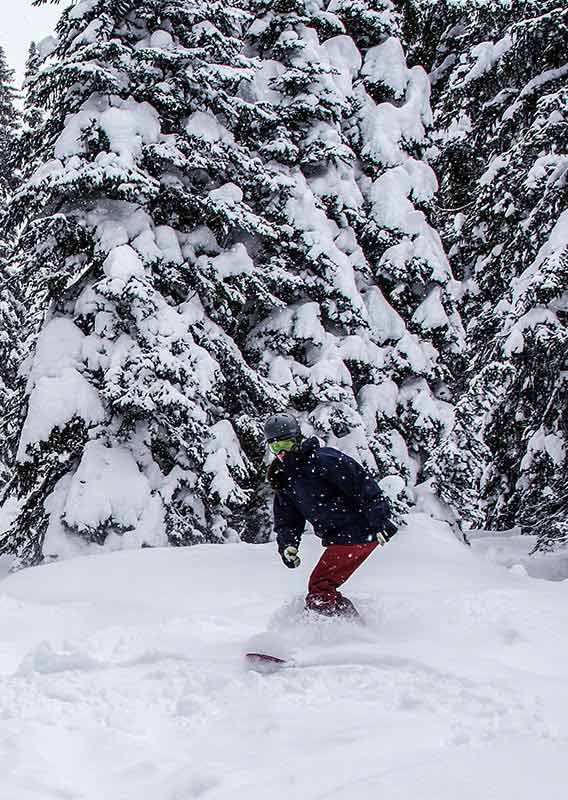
[354,481]
[289,523]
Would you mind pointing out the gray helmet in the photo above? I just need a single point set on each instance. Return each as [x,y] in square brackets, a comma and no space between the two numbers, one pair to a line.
[282,426]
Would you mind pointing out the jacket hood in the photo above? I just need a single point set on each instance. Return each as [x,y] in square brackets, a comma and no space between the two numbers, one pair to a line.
[308,446]
[281,472]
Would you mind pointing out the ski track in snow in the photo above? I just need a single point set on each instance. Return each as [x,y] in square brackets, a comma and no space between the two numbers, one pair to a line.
[122,677]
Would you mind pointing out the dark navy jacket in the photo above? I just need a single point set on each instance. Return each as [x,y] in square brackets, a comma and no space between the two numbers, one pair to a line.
[333,492]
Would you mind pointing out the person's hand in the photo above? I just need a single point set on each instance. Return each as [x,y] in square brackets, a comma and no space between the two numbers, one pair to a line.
[387,533]
[290,557]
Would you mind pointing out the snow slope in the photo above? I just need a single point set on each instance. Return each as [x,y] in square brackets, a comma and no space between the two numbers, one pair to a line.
[513,549]
[121,677]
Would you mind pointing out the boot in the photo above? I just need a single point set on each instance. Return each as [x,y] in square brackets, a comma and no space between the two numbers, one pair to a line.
[344,608]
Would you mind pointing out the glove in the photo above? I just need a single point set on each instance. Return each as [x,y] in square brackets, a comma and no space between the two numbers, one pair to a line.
[290,557]
[387,533]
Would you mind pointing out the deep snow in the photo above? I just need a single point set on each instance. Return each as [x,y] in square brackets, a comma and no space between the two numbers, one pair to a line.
[121,677]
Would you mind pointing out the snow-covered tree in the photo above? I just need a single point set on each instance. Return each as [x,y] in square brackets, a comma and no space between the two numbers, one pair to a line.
[9,120]
[500,89]
[29,141]
[8,126]
[10,313]
[366,344]
[225,213]
[142,414]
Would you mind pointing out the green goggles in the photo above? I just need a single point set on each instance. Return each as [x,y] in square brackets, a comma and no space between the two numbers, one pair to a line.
[277,445]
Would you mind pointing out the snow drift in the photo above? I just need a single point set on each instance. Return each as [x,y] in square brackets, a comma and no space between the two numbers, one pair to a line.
[121,676]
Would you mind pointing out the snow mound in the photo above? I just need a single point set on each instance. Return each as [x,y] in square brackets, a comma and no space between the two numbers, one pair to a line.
[122,676]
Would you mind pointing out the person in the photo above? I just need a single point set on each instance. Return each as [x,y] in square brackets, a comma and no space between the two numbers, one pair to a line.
[334,492]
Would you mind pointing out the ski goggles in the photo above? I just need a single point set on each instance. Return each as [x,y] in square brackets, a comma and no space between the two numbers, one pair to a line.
[277,445]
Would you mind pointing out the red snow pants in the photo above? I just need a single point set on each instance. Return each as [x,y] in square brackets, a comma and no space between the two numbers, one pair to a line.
[338,562]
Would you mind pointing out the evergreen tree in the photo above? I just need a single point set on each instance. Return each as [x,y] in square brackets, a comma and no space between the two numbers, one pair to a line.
[211,232]
[368,346]
[142,414]
[9,119]
[8,127]
[10,312]
[12,315]
[29,143]
[33,65]
[500,97]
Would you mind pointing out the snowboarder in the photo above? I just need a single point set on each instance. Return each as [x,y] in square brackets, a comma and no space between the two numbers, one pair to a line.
[344,504]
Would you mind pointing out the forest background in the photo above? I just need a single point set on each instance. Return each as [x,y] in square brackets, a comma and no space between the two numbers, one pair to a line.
[354,210]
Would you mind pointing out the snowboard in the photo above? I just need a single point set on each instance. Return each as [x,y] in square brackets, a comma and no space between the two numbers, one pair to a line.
[295,638]
[266,663]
